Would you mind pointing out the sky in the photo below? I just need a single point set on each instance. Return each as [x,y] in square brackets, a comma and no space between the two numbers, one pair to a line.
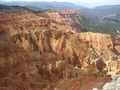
[89,3]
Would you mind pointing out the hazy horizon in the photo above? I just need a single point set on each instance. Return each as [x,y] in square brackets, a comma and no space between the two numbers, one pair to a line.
[86,3]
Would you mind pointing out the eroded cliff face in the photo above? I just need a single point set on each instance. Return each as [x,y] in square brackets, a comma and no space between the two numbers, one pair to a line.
[101,44]
[106,47]
[44,51]
[27,21]
[66,19]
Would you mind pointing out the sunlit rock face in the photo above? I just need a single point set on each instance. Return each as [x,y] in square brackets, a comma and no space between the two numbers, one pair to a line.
[26,21]
[49,51]
[101,43]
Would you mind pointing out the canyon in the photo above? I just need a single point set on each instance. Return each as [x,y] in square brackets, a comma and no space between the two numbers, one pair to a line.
[50,51]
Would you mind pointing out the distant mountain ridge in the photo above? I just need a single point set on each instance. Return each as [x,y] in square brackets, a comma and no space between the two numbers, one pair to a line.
[12,8]
[45,5]
[102,12]
[104,19]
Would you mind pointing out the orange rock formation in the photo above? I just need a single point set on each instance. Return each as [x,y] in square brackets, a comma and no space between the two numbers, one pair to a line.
[49,50]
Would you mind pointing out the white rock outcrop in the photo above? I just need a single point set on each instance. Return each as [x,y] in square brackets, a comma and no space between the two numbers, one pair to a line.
[114,85]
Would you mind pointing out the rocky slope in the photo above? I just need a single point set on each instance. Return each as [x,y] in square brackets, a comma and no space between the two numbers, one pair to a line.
[114,85]
[49,51]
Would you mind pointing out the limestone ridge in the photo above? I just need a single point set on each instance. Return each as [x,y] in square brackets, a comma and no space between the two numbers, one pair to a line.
[45,50]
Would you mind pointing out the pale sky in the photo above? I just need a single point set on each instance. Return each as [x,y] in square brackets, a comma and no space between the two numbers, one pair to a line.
[82,2]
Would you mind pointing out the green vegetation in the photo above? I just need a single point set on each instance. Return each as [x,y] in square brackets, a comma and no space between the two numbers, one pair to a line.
[101,12]
[13,8]
[20,9]
[103,19]
[102,27]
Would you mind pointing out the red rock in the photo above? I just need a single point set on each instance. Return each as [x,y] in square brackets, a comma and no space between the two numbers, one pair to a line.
[49,50]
